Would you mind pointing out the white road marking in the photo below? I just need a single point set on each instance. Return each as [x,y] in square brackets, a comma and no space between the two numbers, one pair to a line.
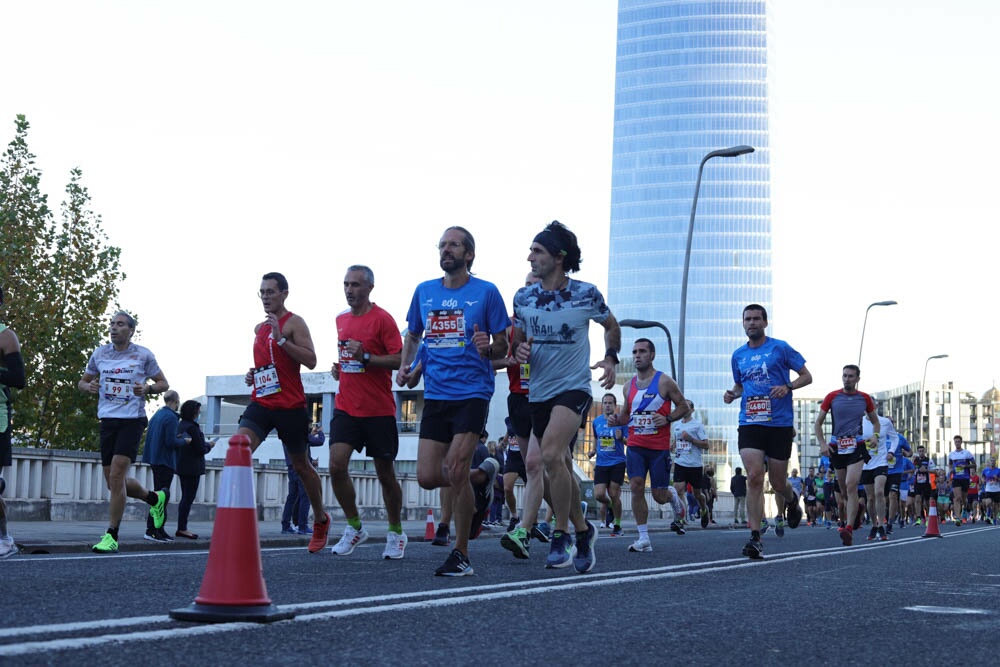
[946,610]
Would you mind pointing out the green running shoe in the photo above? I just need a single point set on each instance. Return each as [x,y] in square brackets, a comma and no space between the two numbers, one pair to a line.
[158,511]
[516,542]
[107,545]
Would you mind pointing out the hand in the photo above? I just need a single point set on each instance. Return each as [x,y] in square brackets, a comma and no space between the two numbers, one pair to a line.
[354,348]
[659,420]
[94,386]
[481,340]
[779,391]
[729,396]
[523,353]
[335,371]
[607,378]
[613,419]
[248,378]
[139,389]
[272,321]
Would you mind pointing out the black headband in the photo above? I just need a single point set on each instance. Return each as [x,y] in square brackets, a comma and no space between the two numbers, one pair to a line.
[547,239]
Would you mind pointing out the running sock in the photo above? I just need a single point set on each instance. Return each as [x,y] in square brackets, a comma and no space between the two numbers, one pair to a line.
[113,532]
[643,531]
[151,499]
[755,535]
[355,523]
[393,527]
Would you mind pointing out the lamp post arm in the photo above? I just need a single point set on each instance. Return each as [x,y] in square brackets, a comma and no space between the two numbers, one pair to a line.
[684,279]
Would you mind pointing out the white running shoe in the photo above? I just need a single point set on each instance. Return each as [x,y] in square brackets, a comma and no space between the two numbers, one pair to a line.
[641,545]
[7,547]
[676,504]
[350,539]
[395,544]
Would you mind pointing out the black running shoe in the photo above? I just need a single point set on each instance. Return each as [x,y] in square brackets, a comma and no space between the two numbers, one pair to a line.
[457,565]
[793,513]
[539,532]
[754,550]
[872,534]
[442,536]
[704,518]
[677,528]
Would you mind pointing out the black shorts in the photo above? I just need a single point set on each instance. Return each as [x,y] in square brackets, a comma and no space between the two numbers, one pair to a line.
[609,474]
[520,415]
[830,503]
[292,425]
[120,437]
[960,484]
[992,495]
[774,441]
[6,449]
[441,420]
[515,465]
[688,475]
[577,401]
[868,476]
[892,483]
[376,435]
[841,461]
[923,490]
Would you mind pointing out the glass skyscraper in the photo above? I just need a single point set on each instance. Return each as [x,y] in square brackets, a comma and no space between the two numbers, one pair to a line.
[691,77]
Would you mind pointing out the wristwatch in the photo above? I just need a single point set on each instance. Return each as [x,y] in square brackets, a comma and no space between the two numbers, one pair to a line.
[789,385]
[365,358]
[282,341]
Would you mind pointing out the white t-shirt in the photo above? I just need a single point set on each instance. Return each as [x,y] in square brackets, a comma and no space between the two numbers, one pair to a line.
[887,441]
[118,372]
[687,453]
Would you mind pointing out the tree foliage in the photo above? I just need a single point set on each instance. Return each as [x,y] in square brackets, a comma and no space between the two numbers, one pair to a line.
[60,280]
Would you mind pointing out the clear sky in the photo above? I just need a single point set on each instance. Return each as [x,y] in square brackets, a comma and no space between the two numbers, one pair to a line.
[222,140]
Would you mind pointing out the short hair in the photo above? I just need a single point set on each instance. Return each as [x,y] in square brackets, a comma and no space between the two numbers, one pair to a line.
[739,471]
[278,278]
[652,348]
[369,276]
[170,396]
[756,306]
[469,243]
[853,367]
[959,438]
[128,318]
[189,409]
[613,397]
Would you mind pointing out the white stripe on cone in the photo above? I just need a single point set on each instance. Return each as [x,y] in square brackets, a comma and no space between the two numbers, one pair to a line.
[236,488]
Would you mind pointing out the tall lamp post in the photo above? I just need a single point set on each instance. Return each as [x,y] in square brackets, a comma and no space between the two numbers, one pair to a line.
[920,400]
[870,306]
[733,151]
[647,324]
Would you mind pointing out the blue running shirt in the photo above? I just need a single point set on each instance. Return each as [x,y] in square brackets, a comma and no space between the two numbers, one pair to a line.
[758,369]
[610,442]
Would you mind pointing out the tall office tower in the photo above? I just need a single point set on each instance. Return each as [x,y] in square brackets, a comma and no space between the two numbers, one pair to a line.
[691,77]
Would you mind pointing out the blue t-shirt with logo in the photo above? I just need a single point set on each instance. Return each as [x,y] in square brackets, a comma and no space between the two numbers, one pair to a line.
[757,369]
[445,318]
[610,442]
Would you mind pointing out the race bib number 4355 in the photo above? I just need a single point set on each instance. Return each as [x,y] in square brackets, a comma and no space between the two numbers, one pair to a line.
[445,328]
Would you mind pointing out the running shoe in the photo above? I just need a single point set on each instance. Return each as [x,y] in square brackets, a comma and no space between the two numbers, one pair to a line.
[517,542]
[882,536]
[779,527]
[483,494]
[920,522]
[153,536]
[827,524]
[288,530]
[764,525]
[442,536]
[641,545]
[457,565]
[846,535]
[541,532]
[304,530]
[395,544]
[7,547]
[958,522]
[793,513]
[561,550]
[617,531]
[754,550]
[158,510]
[513,523]
[677,528]
[585,558]
[858,521]
[349,540]
[888,529]
[321,532]
[676,504]
[704,518]
[107,545]
[872,534]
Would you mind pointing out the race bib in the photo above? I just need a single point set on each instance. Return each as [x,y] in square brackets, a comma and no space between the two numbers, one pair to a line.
[846,445]
[921,478]
[525,373]
[265,381]
[683,446]
[642,423]
[959,469]
[758,409]
[607,444]
[348,364]
[445,328]
[117,390]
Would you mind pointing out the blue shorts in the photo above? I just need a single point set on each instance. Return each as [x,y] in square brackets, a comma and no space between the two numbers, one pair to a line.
[640,461]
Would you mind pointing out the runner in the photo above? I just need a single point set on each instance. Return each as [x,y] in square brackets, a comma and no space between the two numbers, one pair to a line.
[922,488]
[847,447]
[991,492]
[962,464]
[364,415]
[282,344]
[899,463]
[118,374]
[972,502]
[690,440]
[462,322]
[811,488]
[609,466]
[11,377]
[875,474]
[653,402]
[552,319]
[761,374]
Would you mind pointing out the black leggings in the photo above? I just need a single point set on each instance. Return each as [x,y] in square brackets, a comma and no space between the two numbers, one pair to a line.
[189,489]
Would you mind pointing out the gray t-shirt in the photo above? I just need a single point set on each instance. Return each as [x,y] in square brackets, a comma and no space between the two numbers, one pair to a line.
[118,372]
[558,322]
[688,454]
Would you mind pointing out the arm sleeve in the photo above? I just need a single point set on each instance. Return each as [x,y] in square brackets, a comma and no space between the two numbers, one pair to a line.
[13,374]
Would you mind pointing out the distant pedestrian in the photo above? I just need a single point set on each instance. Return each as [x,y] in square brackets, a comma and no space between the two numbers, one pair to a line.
[11,375]
[190,463]
[738,487]
[159,452]
[295,514]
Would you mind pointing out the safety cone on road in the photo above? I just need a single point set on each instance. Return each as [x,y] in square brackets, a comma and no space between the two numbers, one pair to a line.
[932,521]
[233,588]
[429,530]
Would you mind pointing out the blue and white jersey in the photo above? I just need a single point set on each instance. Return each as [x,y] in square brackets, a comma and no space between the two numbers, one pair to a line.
[757,369]
[445,318]
[961,462]
[904,470]
[610,442]
[118,372]
[559,322]
[902,447]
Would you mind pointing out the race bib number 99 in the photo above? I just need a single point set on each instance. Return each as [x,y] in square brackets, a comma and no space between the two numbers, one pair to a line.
[445,328]
[117,390]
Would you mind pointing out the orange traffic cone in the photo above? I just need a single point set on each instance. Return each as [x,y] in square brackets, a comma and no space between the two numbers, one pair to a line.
[932,521]
[429,530]
[233,588]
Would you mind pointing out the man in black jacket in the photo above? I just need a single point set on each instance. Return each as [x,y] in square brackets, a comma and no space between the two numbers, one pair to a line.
[738,487]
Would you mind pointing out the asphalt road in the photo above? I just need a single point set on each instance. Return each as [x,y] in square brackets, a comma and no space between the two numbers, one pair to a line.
[694,599]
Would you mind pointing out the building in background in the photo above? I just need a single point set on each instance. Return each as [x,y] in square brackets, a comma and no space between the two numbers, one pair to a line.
[691,77]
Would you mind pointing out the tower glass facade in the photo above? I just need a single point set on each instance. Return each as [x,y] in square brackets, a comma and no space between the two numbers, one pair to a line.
[691,77]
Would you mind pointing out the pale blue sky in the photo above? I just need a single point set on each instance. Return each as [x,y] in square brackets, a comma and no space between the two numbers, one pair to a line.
[221,140]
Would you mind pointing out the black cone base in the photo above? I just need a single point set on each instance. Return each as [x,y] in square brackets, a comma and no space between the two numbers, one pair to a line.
[215,613]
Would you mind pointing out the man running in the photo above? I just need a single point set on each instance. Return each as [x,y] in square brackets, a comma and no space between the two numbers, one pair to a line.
[922,488]
[875,474]
[761,375]
[364,415]
[962,464]
[690,441]
[11,376]
[991,492]
[653,402]
[553,318]
[899,465]
[609,466]
[282,344]
[118,374]
[463,324]
[847,447]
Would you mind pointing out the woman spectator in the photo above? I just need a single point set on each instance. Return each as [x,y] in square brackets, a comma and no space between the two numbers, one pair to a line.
[190,463]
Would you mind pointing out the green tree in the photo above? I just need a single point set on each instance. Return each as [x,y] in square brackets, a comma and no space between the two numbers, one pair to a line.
[62,277]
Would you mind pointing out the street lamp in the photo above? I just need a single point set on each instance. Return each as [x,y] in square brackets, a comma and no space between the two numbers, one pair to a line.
[920,400]
[646,324]
[733,151]
[870,306]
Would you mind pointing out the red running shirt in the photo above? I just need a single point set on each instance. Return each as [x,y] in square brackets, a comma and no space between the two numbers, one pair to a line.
[366,391]
[266,351]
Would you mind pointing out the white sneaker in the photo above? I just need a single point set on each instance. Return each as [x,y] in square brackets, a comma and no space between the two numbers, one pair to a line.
[7,547]
[676,504]
[350,539]
[641,545]
[395,544]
